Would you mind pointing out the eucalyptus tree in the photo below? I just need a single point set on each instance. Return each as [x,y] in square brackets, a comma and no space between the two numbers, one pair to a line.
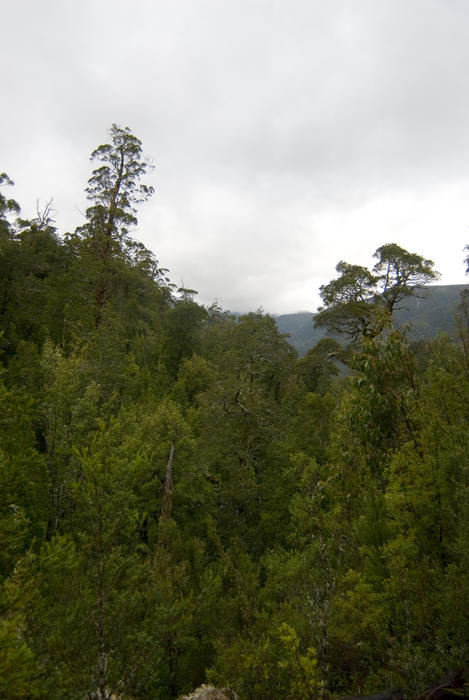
[360,302]
[114,190]
[401,274]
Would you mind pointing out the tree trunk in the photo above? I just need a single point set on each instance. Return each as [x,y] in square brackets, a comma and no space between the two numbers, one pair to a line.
[167,505]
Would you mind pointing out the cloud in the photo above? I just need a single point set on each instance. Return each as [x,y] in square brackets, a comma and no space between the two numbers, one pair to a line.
[285,136]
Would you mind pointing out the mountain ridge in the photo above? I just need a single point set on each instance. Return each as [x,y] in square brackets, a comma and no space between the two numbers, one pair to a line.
[426,316]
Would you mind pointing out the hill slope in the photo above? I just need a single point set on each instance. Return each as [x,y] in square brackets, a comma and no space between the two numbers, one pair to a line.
[426,317]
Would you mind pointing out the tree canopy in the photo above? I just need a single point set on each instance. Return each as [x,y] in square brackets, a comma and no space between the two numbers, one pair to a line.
[184,501]
[360,302]
[114,190]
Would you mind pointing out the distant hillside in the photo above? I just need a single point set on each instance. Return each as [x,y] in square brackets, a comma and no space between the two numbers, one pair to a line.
[426,318]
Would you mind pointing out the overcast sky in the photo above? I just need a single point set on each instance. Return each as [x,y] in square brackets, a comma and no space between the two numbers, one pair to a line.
[286,135]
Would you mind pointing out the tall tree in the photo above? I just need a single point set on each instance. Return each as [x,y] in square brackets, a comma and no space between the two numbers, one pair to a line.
[8,207]
[360,302]
[348,301]
[114,190]
[401,274]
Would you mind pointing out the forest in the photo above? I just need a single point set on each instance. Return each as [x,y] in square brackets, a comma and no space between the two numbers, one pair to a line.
[185,501]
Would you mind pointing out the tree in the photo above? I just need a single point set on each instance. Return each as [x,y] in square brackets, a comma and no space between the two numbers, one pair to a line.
[114,191]
[33,296]
[401,274]
[23,479]
[360,302]
[317,367]
[240,422]
[348,301]
[7,208]
[184,323]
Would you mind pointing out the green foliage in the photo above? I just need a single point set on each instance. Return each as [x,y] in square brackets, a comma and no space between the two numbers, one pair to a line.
[357,633]
[106,256]
[271,666]
[348,301]
[23,479]
[318,367]
[183,500]
[7,208]
[114,190]
[184,324]
[360,303]
[401,274]
[20,669]
[32,290]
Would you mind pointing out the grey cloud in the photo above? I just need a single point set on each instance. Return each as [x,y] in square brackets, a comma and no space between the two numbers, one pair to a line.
[276,128]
